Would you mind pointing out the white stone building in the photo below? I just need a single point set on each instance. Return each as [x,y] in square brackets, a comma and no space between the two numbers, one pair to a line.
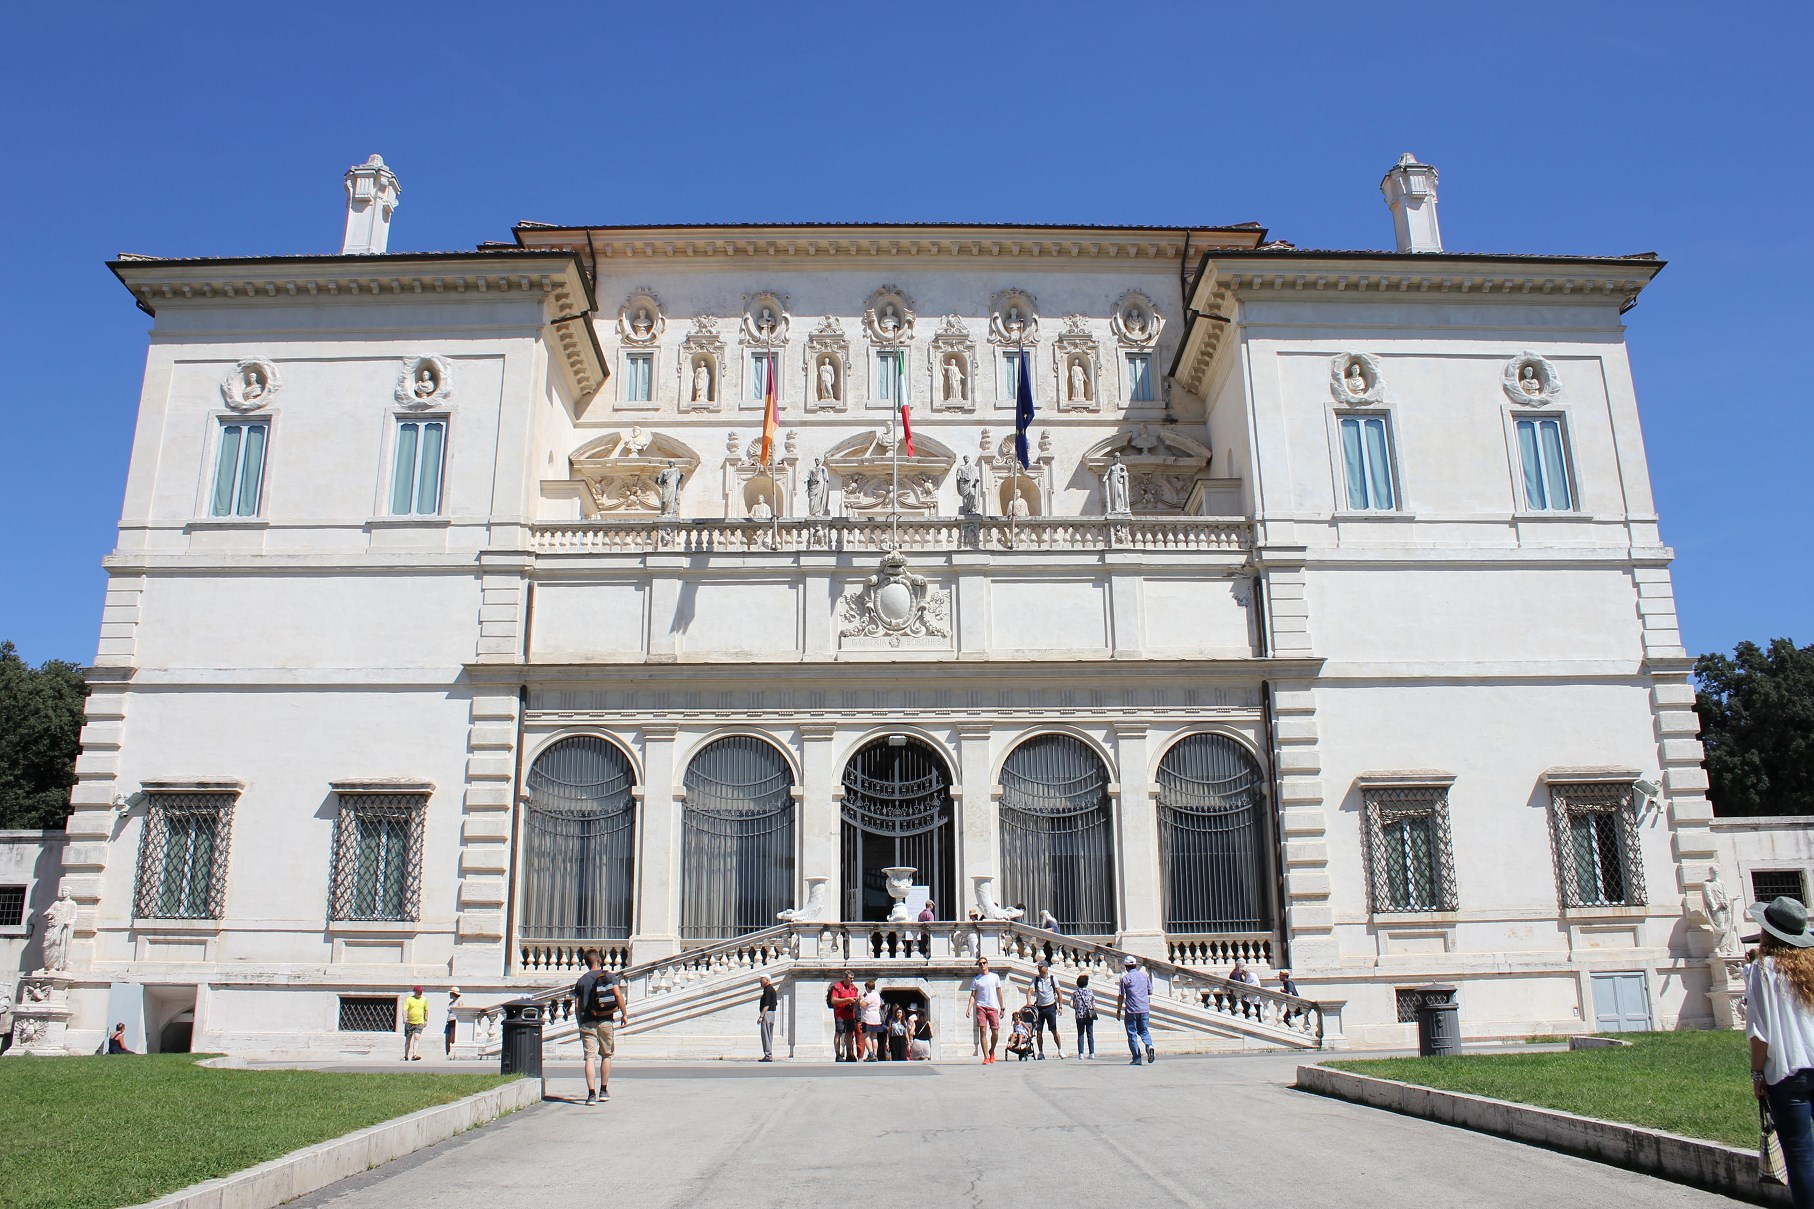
[1328,623]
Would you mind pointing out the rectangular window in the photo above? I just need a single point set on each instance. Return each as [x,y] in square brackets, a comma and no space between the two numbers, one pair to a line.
[12,906]
[368,1014]
[416,482]
[1543,454]
[639,377]
[1367,463]
[1010,373]
[239,471]
[1595,827]
[760,366]
[1411,856]
[1766,885]
[378,856]
[182,872]
[891,377]
[1140,378]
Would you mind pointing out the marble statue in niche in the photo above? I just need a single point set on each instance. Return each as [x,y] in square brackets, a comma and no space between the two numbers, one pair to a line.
[828,380]
[956,389]
[252,388]
[969,488]
[889,320]
[1115,488]
[702,381]
[1079,388]
[1017,506]
[760,511]
[642,324]
[1356,379]
[668,483]
[818,489]
[1136,322]
[426,382]
[1529,382]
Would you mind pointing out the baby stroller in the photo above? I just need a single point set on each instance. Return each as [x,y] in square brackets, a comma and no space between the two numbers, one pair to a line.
[1020,1041]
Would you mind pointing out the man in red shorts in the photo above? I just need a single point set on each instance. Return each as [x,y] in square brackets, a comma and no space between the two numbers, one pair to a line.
[985,1003]
[844,999]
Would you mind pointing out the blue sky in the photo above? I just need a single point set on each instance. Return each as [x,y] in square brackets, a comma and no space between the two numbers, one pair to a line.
[194,129]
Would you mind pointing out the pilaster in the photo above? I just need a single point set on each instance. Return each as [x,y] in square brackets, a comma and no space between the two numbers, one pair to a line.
[503,591]
[978,813]
[658,849]
[89,832]
[821,794]
[1309,919]
[487,824]
[1142,903]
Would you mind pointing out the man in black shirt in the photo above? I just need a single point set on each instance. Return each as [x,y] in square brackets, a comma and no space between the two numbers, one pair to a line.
[598,1001]
[765,1018]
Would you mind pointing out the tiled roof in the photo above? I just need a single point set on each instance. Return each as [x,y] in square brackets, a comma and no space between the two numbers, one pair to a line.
[933,226]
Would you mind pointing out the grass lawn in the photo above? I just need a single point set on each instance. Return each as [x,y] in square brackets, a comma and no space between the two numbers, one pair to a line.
[99,1132]
[1698,1084]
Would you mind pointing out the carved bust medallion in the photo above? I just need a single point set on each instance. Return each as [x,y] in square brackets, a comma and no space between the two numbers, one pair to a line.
[1530,379]
[250,384]
[1355,378]
[424,381]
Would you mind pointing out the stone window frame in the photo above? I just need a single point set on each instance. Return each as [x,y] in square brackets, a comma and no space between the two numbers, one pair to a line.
[1388,796]
[164,802]
[1608,792]
[1127,379]
[387,484]
[406,798]
[649,353]
[877,401]
[1521,507]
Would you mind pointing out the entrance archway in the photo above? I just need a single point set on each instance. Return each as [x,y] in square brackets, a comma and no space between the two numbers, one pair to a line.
[896,812]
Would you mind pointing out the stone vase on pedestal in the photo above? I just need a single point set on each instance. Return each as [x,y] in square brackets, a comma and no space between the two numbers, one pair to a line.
[900,885]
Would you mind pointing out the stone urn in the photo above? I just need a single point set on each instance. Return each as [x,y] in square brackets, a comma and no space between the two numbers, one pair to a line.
[900,884]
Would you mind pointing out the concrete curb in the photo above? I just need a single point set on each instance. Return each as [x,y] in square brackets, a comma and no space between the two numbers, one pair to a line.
[1710,1165]
[314,1167]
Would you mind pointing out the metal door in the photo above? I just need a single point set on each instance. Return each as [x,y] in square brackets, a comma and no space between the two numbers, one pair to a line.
[1621,1003]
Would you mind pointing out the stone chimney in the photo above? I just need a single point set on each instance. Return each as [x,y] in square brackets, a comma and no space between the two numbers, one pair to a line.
[371,197]
[1410,189]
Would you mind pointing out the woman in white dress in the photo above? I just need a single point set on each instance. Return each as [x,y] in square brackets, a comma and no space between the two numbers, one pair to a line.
[1779,1002]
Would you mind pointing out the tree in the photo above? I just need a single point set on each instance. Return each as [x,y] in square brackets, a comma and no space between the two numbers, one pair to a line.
[40,735]
[1757,724]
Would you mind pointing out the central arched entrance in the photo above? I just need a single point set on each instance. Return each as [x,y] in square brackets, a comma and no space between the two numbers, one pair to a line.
[897,812]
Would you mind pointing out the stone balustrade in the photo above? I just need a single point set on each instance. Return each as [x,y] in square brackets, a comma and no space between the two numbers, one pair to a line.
[878,534]
[1220,949]
[568,956]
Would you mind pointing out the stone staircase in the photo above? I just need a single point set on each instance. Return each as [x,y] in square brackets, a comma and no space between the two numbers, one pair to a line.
[701,1003]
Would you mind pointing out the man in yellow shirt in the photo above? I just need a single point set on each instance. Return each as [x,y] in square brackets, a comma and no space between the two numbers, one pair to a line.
[415,1019]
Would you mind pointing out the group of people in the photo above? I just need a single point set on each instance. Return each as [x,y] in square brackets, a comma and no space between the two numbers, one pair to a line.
[866,1028]
[1027,1028]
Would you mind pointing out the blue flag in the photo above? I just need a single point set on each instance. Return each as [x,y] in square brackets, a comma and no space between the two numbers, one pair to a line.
[1023,410]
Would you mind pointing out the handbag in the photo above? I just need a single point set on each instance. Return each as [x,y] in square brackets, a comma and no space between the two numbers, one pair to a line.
[1770,1166]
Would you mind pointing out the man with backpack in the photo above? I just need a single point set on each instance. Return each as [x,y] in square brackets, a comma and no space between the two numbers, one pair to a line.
[843,998]
[599,1001]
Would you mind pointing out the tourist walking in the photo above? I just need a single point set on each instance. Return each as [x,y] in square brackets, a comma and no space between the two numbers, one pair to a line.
[897,1035]
[873,1028]
[1083,1007]
[1243,973]
[844,1000]
[1042,996]
[1136,1006]
[415,1019]
[985,1004]
[920,1048]
[1289,987]
[766,1003]
[599,1002]
[1779,1003]
[447,1030]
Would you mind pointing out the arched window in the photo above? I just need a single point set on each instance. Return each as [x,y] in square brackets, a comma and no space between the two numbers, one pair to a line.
[1056,835]
[896,813]
[1213,838]
[737,839]
[579,843]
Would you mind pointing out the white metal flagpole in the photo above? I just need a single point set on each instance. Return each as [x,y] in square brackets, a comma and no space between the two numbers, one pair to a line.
[894,495]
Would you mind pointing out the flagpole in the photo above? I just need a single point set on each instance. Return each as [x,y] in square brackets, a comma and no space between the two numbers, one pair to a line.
[894,496]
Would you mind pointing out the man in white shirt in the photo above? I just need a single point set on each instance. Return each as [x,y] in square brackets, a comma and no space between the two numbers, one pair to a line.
[986,1004]
[873,1039]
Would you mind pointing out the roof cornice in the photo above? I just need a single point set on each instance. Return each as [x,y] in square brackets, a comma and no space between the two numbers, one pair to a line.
[556,278]
[860,243]
[1225,276]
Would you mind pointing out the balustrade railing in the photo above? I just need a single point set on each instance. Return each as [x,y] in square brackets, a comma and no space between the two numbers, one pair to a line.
[568,956]
[858,534]
[829,945]
[1220,949]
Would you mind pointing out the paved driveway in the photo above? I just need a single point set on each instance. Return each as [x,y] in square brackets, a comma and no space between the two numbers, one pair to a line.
[1187,1131]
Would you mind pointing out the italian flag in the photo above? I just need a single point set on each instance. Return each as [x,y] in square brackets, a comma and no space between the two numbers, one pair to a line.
[900,391]
[771,410]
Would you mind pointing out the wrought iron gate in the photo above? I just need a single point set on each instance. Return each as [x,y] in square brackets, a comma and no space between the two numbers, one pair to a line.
[1213,837]
[579,844]
[737,839]
[897,811]
[1057,842]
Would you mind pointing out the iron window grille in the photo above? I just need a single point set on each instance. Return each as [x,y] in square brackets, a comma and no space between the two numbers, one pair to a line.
[377,871]
[1766,885]
[368,1014]
[182,870]
[1410,854]
[1215,847]
[12,906]
[1595,829]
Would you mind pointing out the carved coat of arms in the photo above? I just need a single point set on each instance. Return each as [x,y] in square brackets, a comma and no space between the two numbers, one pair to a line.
[895,604]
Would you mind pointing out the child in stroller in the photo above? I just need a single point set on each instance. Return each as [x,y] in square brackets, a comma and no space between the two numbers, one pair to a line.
[1020,1042]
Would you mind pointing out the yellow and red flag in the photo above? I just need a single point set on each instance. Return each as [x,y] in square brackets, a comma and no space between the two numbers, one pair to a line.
[771,410]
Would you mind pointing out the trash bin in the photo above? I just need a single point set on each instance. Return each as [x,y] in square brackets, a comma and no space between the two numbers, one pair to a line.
[1438,1022]
[522,1049]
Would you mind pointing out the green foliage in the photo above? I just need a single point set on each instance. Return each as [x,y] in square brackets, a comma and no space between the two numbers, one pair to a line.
[1757,724]
[40,733]
[1695,1084]
[91,1133]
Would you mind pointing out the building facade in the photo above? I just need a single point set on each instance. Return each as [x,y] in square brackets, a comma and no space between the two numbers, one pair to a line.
[462,619]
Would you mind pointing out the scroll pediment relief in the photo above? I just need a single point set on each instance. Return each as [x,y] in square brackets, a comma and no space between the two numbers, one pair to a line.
[865,465]
[1163,466]
[620,471]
